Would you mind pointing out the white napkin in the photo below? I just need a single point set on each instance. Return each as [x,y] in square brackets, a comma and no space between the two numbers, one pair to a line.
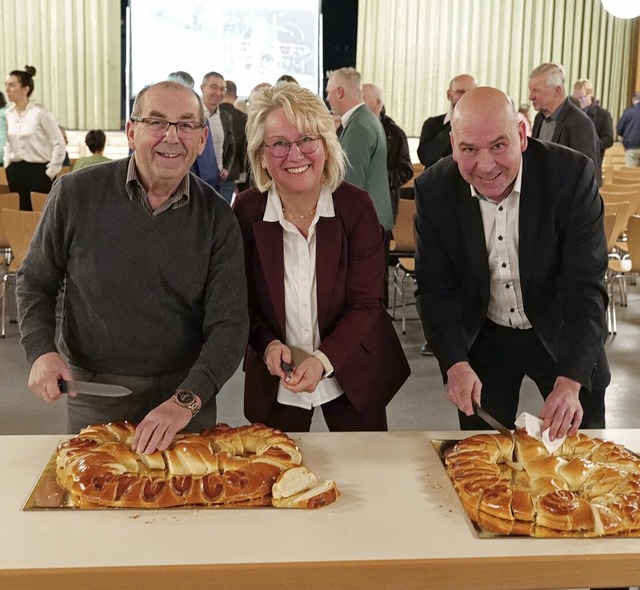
[532,425]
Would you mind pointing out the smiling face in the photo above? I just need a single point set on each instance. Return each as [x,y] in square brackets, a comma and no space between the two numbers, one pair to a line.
[297,174]
[165,159]
[213,90]
[487,141]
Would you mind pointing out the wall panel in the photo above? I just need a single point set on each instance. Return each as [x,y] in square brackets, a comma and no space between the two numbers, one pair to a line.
[412,48]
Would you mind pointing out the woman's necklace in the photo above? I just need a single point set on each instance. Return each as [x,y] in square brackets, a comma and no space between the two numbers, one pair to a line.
[292,216]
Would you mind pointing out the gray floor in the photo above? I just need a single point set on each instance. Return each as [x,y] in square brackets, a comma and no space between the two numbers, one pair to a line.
[420,404]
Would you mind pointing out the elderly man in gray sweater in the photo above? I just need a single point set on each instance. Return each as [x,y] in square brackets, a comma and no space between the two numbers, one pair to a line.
[154,287]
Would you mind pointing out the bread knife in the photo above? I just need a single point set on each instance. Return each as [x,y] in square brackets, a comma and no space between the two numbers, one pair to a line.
[99,389]
[491,421]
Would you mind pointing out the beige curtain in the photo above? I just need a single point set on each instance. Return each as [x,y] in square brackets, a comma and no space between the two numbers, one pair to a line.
[412,48]
[75,47]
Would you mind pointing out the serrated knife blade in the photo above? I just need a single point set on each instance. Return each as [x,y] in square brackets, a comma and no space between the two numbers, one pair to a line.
[491,421]
[89,388]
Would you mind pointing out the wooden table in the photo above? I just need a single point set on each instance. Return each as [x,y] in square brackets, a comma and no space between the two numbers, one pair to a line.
[399,524]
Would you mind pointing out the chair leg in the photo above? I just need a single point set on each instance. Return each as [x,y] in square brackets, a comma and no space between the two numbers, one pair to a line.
[396,290]
[3,294]
[404,320]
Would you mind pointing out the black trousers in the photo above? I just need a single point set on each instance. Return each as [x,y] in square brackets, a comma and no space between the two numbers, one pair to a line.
[502,356]
[24,177]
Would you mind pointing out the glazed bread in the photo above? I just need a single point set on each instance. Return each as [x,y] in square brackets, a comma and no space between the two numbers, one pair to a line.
[220,466]
[294,481]
[588,487]
[323,494]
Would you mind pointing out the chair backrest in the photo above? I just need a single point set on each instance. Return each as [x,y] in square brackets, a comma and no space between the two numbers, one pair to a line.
[3,176]
[620,186]
[609,224]
[403,229]
[633,242]
[624,177]
[38,200]
[7,201]
[64,170]
[620,210]
[20,227]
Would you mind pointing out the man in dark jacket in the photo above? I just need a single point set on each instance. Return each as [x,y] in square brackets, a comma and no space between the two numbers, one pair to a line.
[601,117]
[628,129]
[399,168]
[558,119]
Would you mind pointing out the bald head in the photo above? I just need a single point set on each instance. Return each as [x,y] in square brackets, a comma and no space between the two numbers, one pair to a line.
[487,141]
[484,102]
[459,86]
[373,98]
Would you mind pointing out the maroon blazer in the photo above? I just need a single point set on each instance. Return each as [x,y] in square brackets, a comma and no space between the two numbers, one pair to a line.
[355,330]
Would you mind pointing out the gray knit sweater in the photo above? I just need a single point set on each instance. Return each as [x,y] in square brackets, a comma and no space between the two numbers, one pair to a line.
[144,294]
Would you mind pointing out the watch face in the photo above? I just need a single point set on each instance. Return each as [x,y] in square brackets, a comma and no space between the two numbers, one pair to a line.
[185,397]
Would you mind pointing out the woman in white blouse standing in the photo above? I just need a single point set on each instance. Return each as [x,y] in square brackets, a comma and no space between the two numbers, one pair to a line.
[35,148]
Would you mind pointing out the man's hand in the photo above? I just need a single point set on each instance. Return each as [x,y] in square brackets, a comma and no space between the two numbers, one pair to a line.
[463,386]
[562,412]
[224,173]
[159,426]
[44,375]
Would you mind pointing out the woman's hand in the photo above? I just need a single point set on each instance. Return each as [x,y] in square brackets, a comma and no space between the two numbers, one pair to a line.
[306,376]
[274,355]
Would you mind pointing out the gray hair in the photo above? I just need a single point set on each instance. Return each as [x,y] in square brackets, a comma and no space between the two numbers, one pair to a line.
[138,104]
[349,77]
[554,74]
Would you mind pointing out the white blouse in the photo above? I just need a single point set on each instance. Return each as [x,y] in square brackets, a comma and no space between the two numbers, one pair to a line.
[34,136]
[300,296]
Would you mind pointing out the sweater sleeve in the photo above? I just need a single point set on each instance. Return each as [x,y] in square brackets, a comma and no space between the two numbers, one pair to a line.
[226,320]
[39,280]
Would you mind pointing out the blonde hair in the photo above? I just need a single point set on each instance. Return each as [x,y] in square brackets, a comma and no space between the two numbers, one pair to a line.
[306,111]
[585,85]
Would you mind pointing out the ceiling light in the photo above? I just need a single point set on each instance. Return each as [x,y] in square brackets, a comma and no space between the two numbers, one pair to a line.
[622,8]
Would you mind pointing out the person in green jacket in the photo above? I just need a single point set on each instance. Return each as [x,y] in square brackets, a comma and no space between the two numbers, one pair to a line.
[95,141]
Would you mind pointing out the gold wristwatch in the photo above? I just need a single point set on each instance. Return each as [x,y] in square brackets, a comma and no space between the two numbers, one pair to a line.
[186,399]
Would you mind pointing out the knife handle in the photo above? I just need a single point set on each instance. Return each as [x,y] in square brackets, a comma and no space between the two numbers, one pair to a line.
[62,384]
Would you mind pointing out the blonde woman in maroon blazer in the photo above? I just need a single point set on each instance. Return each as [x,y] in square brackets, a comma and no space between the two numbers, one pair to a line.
[314,252]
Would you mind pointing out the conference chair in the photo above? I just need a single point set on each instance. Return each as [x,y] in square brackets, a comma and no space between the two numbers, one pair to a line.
[20,227]
[7,201]
[403,246]
[612,324]
[627,267]
[38,200]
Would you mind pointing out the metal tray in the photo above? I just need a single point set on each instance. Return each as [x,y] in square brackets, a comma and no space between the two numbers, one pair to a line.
[443,447]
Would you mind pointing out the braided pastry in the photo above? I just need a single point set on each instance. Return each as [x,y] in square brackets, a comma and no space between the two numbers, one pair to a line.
[220,466]
[588,487]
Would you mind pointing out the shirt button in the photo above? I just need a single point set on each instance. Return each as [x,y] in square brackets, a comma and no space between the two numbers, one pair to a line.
[512,310]
[507,285]
[500,208]
[500,238]
[504,265]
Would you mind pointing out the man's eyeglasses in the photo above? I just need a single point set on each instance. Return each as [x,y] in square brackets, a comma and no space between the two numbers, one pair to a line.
[280,148]
[161,126]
